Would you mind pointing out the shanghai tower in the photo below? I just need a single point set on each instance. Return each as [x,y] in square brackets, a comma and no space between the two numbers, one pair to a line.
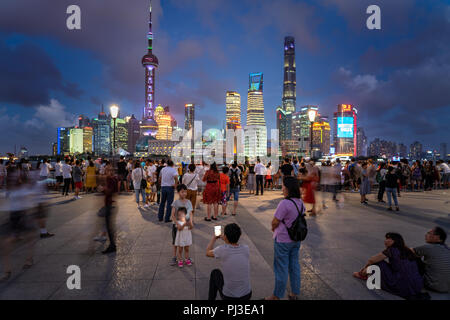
[290,82]
[149,127]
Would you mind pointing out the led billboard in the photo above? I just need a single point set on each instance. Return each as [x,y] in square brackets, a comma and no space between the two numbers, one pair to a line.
[256,82]
[345,127]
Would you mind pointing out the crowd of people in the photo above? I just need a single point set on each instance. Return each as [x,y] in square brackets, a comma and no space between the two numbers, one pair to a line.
[180,190]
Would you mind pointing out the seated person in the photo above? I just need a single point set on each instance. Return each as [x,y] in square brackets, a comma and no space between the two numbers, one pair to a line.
[399,276]
[233,281]
[436,257]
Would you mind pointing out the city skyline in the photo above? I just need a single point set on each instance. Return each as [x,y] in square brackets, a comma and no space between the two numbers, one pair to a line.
[374,65]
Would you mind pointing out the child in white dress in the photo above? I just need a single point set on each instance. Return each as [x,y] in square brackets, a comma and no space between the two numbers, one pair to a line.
[183,238]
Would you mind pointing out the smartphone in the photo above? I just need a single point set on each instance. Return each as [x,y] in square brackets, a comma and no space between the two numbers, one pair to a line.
[217,231]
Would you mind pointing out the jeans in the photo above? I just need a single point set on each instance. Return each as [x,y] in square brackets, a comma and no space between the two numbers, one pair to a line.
[216,284]
[393,192]
[167,195]
[259,183]
[381,189]
[139,192]
[285,263]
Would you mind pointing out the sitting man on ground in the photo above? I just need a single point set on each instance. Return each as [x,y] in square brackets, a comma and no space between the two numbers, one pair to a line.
[233,281]
[437,260]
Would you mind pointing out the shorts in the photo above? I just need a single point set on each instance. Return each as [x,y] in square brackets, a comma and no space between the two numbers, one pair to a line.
[224,198]
[78,185]
[123,177]
[235,193]
[59,179]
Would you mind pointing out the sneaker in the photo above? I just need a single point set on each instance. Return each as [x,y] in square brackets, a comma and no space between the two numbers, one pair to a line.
[173,261]
[146,206]
[100,238]
[180,264]
[188,262]
[79,197]
[397,209]
[46,235]
[389,209]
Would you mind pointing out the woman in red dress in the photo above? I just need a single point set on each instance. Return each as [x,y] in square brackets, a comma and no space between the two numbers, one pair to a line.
[309,186]
[212,194]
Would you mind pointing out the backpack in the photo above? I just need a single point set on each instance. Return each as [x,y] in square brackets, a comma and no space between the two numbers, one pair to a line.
[234,179]
[298,230]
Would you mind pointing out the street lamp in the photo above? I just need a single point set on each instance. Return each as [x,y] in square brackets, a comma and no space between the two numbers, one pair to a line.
[114,110]
[312,116]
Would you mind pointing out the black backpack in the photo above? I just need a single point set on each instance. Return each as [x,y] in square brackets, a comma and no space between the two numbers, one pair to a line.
[298,230]
[234,179]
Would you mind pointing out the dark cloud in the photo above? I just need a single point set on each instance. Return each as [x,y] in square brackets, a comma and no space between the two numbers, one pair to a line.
[28,75]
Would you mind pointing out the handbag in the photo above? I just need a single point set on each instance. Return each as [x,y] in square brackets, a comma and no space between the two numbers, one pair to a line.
[143,181]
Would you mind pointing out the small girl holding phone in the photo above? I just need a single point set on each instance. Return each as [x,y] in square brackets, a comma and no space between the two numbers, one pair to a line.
[183,238]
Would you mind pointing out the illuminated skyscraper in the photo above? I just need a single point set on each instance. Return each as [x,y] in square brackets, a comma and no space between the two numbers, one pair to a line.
[321,138]
[164,127]
[63,142]
[189,116]
[302,128]
[88,133]
[361,143]
[345,129]
[255,101]
[121,133]
[83,121]
[149,126]
[233,109]
[76,140]
[290,82]
[102,142]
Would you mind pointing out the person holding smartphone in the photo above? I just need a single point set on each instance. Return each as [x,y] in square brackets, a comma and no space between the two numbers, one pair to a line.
[233,280]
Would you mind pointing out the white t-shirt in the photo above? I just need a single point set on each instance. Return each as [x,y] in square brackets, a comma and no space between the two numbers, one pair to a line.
[445,168]
[45,170]
[260,169]
[191,180]
[151,172]
[167,176]
[58,171]
[66,170]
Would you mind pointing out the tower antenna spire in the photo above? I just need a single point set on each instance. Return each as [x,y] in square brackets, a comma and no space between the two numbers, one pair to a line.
[150,33]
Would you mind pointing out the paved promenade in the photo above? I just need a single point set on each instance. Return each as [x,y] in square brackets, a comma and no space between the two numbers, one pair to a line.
[340,241]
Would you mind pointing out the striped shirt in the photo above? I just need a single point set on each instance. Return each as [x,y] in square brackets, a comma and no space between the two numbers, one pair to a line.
[437,266]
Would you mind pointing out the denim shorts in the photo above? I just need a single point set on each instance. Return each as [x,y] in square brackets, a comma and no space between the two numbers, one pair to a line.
[235,193]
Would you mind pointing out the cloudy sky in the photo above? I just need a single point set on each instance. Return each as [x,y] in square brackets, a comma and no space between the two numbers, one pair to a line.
[398,77]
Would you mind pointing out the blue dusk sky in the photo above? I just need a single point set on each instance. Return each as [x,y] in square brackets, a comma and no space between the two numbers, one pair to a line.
[397,77]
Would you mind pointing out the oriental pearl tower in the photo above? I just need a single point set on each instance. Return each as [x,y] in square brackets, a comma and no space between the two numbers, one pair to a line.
[149,127]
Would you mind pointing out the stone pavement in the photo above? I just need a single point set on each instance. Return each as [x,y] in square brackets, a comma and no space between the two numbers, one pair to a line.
[339,242]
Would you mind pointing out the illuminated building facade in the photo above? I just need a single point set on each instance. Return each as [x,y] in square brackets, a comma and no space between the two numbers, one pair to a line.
[189,116]
[255,142]
[255,101]
[345,129]
[164,127]
[362,145]
[83,121]
[102,129]
[55,148]
[76,140]
[302,129]
[290,82]
[63,142]
[415,151]
[149,126]
[233,110]
[88,137]
[121,133]
[321,138]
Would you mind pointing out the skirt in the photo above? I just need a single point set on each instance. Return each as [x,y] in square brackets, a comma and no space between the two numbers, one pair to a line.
[183,238]
[251,181]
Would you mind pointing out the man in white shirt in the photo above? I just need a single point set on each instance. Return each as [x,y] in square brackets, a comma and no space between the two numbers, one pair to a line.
[168,179]
[45,169]
[260,170]
[151,170]
[67,176]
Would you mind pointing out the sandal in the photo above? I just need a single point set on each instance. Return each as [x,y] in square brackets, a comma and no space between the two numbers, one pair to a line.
[233,214]
[360,275]
[28,264]
[215,219]
[206,219]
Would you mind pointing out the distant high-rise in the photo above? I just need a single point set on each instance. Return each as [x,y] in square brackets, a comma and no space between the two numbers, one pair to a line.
[302,128]
[443,151]
[63,142]
[88,137]
[321,138]
[415,151]
[290,78]
[133,133]
[83,121]
[189,116]
[121,134]
[361,143]
[233,109]
[255,101]
[345,126]
[102,142]
[76,140]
